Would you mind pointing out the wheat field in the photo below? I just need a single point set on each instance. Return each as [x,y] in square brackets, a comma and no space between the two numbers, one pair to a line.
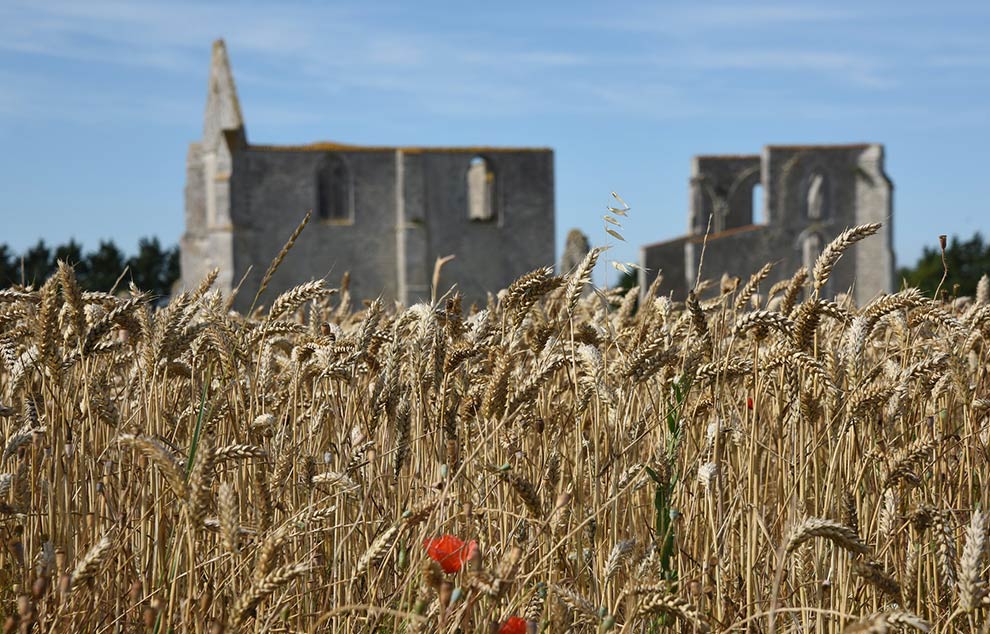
[757,458]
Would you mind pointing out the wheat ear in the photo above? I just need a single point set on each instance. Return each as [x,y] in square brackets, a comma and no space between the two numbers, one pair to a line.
[831,253]
[262,589]
[90,564]
[278,259]
[972,585]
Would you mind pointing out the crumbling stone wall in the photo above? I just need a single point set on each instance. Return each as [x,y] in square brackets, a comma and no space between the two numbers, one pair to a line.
[385,214]
[811,194]
[722,192]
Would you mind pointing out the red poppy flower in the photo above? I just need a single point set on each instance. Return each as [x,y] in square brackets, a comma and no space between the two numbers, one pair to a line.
[514,625]
[449,551]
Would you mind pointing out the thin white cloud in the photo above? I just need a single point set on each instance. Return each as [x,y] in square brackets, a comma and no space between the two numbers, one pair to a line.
[702,17]
[843,67]
[163,35]
[772,59]
[317,51]
[964,61]
[737,14]
[536,58]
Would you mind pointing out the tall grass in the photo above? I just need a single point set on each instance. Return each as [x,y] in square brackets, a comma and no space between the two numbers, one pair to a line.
[751,460]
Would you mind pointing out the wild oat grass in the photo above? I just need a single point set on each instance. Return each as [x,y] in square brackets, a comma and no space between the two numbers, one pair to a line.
[752,459]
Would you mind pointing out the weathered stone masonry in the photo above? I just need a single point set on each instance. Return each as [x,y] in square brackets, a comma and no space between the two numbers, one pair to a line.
[383,213]
[810,195]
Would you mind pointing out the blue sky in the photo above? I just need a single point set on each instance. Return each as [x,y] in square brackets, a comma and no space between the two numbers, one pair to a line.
[99,99]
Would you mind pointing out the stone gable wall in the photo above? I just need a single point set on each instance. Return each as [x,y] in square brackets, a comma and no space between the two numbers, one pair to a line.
[401,209]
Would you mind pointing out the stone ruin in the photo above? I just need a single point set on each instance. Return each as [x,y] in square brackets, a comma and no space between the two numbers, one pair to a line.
[805,195]
[385,214]
[576,247]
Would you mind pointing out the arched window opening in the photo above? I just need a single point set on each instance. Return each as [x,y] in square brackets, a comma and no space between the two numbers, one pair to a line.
[333,191]
[757,204]
[481,190]
[817,197]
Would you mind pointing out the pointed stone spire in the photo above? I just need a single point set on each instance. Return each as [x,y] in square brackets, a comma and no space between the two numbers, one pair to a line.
[223,109]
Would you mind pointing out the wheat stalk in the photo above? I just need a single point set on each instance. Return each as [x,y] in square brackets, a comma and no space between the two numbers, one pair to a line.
[266,280]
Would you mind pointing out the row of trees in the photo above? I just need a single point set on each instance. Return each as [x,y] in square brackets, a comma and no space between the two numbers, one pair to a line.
[152,269]
[155,270]
[965,263]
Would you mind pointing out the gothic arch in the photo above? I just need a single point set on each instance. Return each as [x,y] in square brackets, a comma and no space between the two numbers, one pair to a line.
[748,180]
[817,195]
[807,186]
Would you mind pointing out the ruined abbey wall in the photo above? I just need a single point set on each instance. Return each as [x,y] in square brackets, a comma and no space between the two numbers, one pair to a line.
[383,214]
[810,195]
